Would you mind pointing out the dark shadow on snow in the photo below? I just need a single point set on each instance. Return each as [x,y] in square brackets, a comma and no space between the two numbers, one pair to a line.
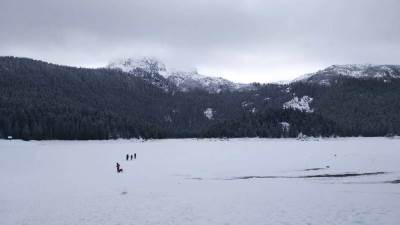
[310,176]
[194,178]
[343,175]
[314,169]
[393,182]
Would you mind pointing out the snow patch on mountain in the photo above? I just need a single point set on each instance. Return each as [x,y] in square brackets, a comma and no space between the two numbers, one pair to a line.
[302,104]
[209,113]
[246,104]
[168,119]
[285,126]
[249,106]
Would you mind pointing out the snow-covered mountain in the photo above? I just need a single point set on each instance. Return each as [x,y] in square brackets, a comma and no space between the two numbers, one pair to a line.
[150,69]
[190,80]
[156,72]
[327,75]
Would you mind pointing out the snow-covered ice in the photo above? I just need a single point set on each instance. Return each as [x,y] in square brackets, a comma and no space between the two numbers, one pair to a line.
[211,181]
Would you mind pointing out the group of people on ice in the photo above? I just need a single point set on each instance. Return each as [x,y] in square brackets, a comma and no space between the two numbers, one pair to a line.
[128,157]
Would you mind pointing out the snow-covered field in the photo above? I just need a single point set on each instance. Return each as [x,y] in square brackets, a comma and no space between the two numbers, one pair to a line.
[180,182]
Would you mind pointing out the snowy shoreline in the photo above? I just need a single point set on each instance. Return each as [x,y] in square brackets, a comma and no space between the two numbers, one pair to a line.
[308,138]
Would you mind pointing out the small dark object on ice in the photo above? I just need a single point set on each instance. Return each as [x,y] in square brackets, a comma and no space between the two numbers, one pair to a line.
[131,157]
[119,169]
[312,169]
[127,157]
[395,182]
[327,167]
[134,155]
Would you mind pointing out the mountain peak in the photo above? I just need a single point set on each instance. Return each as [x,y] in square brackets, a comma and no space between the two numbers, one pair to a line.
[325,76]
[148,64]
[183,80]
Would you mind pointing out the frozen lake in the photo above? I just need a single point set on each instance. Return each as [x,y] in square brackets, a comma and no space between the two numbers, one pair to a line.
[180,182]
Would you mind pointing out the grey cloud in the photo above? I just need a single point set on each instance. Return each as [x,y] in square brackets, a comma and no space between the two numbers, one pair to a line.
[248,39]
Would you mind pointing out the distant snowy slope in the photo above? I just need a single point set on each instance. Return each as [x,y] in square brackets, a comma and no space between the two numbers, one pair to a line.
[183,80]
[327,75]
[190,80]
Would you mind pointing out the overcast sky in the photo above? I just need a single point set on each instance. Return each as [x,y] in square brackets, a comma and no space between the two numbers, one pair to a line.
[248,40]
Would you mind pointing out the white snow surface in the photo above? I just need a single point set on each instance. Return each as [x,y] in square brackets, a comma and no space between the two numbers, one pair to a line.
[190,182]
[302,104]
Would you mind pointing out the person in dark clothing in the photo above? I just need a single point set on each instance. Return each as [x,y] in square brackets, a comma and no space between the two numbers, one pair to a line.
[127,157]
[135,155]
[118,168]
[131,157]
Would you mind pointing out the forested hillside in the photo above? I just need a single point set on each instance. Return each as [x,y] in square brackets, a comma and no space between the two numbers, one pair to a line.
[39,100]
